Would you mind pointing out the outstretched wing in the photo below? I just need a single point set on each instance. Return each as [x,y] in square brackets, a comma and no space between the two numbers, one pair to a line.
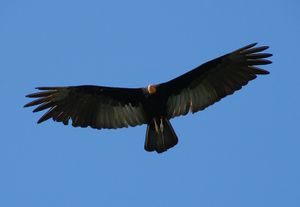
[94,106]
[210,82]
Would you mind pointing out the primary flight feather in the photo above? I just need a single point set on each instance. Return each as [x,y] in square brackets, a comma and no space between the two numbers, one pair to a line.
[110,108]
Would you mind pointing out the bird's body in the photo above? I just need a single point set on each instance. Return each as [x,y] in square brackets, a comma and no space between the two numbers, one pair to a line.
[108,107]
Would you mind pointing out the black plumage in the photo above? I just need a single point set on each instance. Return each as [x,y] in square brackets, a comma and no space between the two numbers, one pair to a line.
[109,108]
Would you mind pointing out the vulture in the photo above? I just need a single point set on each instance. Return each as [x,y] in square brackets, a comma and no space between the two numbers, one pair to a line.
[102,107]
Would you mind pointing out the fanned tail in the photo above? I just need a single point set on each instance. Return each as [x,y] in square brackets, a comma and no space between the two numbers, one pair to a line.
[160,135]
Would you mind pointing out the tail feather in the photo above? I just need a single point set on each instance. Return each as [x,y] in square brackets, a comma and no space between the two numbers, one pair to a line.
[160,136]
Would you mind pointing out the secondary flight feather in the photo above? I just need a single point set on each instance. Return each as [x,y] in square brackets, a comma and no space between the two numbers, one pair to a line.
[103,107]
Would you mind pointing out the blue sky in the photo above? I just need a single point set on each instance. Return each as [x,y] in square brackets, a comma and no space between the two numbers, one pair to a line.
[242,151]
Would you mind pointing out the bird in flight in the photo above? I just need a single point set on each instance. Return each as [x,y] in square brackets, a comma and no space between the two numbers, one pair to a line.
[103,107]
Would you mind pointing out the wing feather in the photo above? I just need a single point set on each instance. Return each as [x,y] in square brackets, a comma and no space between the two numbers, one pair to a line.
[95,106]
[210,82]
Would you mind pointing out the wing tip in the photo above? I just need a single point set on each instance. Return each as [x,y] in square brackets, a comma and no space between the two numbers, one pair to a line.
[259,71]
[41,120]
[252,44]
[264,47]
[269,55]
[263,72]
[247,47]
[30,95]
[250,48]
[26,105]
[36,110]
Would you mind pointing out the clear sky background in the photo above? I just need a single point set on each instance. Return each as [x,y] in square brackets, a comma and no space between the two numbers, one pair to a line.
[242,151]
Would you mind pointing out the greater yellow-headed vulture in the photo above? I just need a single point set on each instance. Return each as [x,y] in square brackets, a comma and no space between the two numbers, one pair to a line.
[103,107]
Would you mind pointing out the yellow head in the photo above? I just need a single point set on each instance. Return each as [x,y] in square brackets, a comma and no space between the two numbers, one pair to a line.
[151,89]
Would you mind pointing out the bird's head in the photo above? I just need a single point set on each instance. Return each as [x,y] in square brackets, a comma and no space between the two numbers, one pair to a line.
[151,89]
